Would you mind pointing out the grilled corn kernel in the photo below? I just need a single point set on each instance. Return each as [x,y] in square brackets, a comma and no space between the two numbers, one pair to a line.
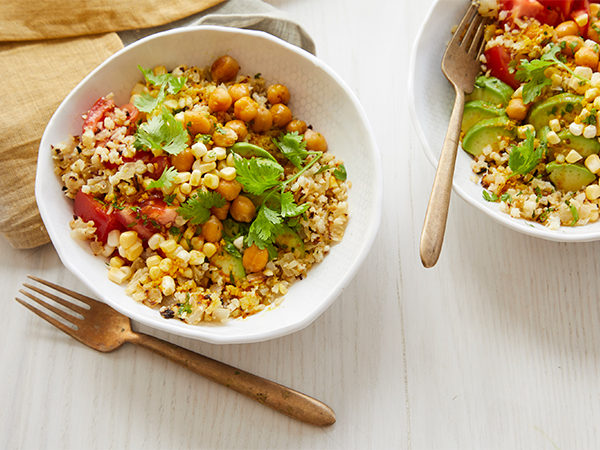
[590,131]
[554,125]
[155,241]
[230,160]
[153,260]
[572,157]
[199,150]
[132,253]
[155,272]
[228,173]
[189,232]
[113,238]
[522,130]
[552,137]
[210,156]
[209,249]
[576,129]
[220,152]
[196,258]
[182,255]
[196,178]
[167,285]
[211,181]
[187,272]
[592,162]
[116,275]
[182,177]
[168,246]
[591,94]
[185,188]
[204,167]
[582,19]
[166,265]
[592,192]
[197,243]
[115,261]
[127,239]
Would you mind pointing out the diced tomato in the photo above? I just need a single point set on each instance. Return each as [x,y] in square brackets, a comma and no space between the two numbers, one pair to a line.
[578,8]
[97,113]
[563,7]
[147,217]
[88,208]
[550,12]
[498,61]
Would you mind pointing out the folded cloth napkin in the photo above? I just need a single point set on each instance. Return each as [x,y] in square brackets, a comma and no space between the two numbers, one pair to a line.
[38,74]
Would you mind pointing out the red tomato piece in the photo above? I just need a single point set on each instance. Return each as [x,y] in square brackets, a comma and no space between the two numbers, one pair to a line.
[146,218]
[578,8]
[550,12]
[97,113]
[498,60]
[88,208]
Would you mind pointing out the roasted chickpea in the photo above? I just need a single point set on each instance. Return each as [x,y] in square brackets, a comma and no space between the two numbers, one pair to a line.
[315,141]
[229,189]
[568,28]
[571,44]
[224,137]
[219,100]
[593,31]
[278,93]
[224,68]
[516,109]
[281,115]
[197,122]
[239,90]
[221,212]
[245,109]
[585,56]
[183,161]
[299,126]
[263,120]
[242,209]
[255,259]
[239,127]
[212,229]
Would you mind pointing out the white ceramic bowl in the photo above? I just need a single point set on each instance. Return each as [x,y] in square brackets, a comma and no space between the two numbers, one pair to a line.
[431,99]
[319,96]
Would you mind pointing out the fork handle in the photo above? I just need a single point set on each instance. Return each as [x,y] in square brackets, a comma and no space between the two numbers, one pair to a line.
[283,399]
[434,226]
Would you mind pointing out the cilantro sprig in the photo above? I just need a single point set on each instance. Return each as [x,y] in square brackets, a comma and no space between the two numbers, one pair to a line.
[293,148]
[196,209]
[257,174]
[169,81]
[166,179]
[162,132]
[525,157]
[147,102]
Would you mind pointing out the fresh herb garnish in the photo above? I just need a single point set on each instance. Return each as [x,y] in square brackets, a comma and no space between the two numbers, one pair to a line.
[197,208]
[172,83]
[340,173]
[175,231]
[524,157]
[489,196]
[147,102]
[574,213]
[162,132]
[257,174]
[170,198]
[293,147]
[505,198]
[166,180]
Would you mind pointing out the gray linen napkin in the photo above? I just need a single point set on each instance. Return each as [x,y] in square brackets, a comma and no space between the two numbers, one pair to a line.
[250,14]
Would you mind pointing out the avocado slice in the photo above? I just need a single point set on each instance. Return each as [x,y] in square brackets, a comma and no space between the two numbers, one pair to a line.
[569,177]
[290,240]
[478,110]
[582,145]
[487,132]
[542,112]
[491,90]
[229,264]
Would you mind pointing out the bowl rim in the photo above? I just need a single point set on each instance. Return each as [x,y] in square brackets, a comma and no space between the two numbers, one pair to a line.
[200,332]
[519,225]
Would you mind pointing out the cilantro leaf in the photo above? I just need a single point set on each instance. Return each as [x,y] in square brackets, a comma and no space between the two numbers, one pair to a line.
[340,173]
[264,228]
[171,82]
[148,103]
[552,55]
[230,248]
[197,208]
[574,213]
[162,132]
[293,147]
[257,174]
[489,196]
[289,208]
[166,180]
[533,73]
[523,158]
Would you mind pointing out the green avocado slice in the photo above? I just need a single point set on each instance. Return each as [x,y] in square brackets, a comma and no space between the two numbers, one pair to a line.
[542,112]
[487,132]
[290,240]
[569,177]
[582,145]
[491,90]
[229,264]
[477,110]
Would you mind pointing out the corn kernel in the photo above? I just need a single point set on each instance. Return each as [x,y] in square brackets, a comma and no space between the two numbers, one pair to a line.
[196,258]
[155,272]
[572,157]
[113,238]
[155,241]
[185,245]
[128,238]
[554,125]
[592,162]
[560,158]
[196,178]
[204,167]
[211,156]
[166,265]
[199,150]
[209,249]
[167,285]
[522,130]
[211,181]
[182,255]
[556,79]
[116,275]
[126,271]
[187,272]
[230,160]
[182,177]
[153,260]
[159,70]
[134,252]
[576,129]
[185,188]
[180,116]
[168,246]
[139,88]
[239,242]
[197,243]
[595,10]
[582,19]
[552,138]
[220,152]
[583,72]
[115,261]
[189,232]
[518,93]
[592,192]
[591,94]
[589,131]
[228,173]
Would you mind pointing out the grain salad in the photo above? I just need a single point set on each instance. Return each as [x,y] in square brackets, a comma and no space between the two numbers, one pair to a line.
[205,194]
[531,122]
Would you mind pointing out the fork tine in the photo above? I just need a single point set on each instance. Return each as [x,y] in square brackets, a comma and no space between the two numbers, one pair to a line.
[464,23]
[477,39]
[57,299]
[59,312]
[83,298]
[61,326]
[471,31]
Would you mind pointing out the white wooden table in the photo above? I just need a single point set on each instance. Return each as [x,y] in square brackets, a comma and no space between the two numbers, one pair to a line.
[494,348]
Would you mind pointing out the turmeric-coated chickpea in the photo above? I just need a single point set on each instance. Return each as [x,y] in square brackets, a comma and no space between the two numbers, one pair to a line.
[239,90]
[567,28]
[571,44]
[278,93]
[197,122]
[263,120]
[299,126]
[242,209]
[224,137]
[212,229]
[585,56]
[516,109]
[255,259]
[224,68]
[219,100]
[183,161]
[282,115]
[245,109]
[239,127]
[221,212]
[315,141]
[229,189]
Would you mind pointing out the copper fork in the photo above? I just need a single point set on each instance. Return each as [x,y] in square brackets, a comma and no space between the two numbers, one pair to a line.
[460,66]
[102,328]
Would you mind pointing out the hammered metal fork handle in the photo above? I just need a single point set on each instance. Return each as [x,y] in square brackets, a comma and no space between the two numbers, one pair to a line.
[283,399]
[434,227]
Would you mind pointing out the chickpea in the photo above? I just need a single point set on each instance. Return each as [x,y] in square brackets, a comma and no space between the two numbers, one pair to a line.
[212,229]
[239,90]
[245,109]
[263,120]
[197,122]
[224,137]
[183,161]
[571,44]
[239,127]
[219,100]
[568,28]
[221,212]
[585,56]
[593,31]
[224,68]
[299,126]
[278,93]
[242,209]
[229,189]
[315,141]
[516,109]
[255,259]
[281,115]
